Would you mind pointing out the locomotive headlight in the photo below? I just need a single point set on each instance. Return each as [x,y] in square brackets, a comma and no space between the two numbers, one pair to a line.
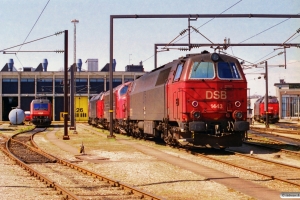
[237,114]
[237,104]
[215,57]
[195,104]
[196,114]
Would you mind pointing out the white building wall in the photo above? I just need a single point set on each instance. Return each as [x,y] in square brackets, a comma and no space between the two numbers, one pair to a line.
[92,65]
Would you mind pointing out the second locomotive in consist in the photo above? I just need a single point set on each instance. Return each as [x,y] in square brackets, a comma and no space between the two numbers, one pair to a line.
[41,112]
[199,99]
[273,109]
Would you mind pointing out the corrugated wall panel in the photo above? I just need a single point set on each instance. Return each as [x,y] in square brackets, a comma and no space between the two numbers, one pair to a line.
[81,108]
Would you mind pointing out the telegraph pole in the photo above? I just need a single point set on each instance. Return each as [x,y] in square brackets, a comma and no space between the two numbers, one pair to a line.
[73,82]
[266,95]
[66,136]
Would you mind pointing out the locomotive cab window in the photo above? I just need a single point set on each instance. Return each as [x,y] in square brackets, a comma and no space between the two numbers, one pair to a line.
[123,90]
[42,106]
[178,72]
[202,70]
[273,100]
[228,70]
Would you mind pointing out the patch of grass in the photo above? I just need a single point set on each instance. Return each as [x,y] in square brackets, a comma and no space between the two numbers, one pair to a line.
[93,140]
[26,128]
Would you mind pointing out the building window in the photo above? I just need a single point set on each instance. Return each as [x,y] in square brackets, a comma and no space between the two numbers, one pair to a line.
[10,86]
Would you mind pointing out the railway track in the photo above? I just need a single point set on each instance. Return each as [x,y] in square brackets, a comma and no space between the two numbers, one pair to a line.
[277,142]
[276,137]
[70,180]
[262,144]
[19,146]
[269,169]
[276,130]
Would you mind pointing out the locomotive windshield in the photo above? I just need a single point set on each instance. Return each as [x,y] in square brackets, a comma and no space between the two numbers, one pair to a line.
[273,100]
[206,70]
[40,106]
[228,70]
[178,72]
[202,70]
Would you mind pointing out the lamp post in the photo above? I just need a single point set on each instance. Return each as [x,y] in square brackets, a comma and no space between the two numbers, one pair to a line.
[72,82]
[75,21]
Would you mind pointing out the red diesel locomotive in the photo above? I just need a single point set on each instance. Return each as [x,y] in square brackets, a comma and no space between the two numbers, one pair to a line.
[273,109]
[95,109]
[41,112]
[199,99]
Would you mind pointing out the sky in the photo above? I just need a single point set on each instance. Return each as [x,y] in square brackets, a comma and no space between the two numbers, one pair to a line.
[134,39]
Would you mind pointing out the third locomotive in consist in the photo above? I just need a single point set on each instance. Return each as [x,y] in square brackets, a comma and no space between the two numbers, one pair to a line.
[200,99]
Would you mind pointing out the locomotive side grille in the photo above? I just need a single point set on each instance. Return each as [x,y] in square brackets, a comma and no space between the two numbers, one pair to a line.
[163,76]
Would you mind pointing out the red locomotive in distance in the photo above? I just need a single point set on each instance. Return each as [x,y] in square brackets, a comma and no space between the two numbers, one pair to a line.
[95,109]
[200,99]
[41,112]
[273,109]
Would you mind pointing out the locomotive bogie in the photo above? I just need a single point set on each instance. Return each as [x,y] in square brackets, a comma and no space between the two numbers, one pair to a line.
[230,140]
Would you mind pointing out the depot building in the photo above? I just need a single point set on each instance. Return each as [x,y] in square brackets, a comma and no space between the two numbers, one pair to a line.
[289,99]
[19,87]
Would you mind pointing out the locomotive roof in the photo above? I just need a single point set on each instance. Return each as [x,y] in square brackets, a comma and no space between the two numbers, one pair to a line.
[204,54]
[263,97]
[41,100]
[96,97]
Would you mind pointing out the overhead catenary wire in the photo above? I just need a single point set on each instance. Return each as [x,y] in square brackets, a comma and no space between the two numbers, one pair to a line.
[202,25]
[238,58]
[292,35]
[148,58]
[197,31]
[32,41]
[269,29]
[264,57]
[294,38]
[56,51]
[180,34]
[31,30]
[283,43]
[211,19]
[266,29]
[34,24]
[270,58]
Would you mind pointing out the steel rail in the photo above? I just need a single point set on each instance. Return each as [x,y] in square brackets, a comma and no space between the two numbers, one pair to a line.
[270,146]
[240,167]
[276,130]
[244,168]
[263,160]
[50,183]
[51,158]
[274,141]
[132,190]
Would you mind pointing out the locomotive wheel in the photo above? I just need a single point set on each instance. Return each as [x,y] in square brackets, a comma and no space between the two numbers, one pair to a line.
[168,137]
